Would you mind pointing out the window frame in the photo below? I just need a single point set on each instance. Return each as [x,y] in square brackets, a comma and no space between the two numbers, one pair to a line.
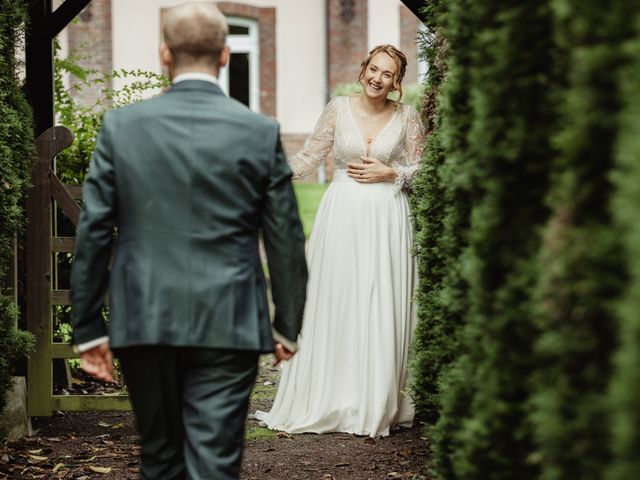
[249,44]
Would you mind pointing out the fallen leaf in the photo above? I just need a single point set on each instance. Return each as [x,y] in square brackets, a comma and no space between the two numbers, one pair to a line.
[88,459]
[118,426]
[342,464]
[59,466]
[35,452]
[328,476]
[285,435]
[104,424]
[36,458]
[370,441]
[100,469]
[405,453]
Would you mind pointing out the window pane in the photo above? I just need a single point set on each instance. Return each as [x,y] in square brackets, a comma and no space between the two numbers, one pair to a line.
[239,77]
[238,30]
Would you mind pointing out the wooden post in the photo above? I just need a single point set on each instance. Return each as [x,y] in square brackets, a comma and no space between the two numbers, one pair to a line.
[38,260]
[39,64]
[44,25]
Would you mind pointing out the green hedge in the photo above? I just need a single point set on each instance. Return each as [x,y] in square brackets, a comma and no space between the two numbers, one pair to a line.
[583,257]
[527,212]
[412,93]
[625,391]
[16,151]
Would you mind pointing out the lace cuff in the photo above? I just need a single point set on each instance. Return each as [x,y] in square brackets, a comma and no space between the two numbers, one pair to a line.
[401,178]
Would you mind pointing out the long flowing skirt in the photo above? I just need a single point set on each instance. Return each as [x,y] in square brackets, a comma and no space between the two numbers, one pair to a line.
[350,374]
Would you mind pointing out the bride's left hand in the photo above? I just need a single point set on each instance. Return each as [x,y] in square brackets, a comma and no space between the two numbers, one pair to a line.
[370,171]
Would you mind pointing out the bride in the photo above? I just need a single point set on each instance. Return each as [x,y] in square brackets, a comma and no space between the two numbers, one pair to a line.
[350,373]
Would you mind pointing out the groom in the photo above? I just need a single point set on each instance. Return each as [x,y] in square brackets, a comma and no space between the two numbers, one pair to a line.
[190,180]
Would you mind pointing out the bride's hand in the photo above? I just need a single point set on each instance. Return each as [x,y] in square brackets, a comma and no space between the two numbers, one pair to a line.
[281,353]
[370,171]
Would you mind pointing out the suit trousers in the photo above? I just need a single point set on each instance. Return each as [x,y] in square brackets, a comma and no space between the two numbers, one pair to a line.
[190,406]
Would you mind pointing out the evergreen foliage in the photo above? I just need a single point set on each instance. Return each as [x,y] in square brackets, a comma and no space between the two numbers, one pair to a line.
[16,152]
[509,144]
[527,213]
[72,164]
[583,258]
[625,391]
[442,182]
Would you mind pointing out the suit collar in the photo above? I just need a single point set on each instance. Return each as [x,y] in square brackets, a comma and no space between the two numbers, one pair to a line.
[196,85]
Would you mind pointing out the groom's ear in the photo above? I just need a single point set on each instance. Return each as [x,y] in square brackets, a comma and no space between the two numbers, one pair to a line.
[165,55]
[224,57]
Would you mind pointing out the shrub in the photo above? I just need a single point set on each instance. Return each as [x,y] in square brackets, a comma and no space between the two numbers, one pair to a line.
[412,94]
[16,152]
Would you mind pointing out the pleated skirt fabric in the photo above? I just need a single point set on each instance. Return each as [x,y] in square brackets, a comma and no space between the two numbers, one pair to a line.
[350,373]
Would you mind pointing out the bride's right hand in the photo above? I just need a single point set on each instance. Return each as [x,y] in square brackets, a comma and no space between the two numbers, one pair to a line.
[282,353]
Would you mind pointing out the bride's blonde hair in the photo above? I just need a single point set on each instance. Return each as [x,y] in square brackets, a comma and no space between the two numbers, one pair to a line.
[398,57]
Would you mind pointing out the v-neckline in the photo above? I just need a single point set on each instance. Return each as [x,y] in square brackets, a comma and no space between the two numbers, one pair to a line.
[355,124]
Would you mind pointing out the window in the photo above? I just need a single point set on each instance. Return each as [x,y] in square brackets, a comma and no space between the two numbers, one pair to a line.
[240,79]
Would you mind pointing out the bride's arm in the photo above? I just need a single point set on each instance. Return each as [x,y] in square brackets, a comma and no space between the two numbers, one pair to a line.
[414,146]
[317,146]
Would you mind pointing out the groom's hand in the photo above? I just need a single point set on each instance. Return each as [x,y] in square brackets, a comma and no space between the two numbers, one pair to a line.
[98,361]
[282,353]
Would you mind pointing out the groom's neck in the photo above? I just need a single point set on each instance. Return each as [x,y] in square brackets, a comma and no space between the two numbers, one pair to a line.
[174,72]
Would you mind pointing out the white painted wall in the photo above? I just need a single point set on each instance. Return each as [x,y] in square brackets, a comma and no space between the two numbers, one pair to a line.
[384,23]
[300,45]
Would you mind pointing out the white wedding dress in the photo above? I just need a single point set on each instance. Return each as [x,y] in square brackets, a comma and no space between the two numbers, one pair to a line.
[350,374]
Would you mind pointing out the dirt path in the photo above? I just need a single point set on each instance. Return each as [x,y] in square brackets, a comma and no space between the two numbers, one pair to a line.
[104,445]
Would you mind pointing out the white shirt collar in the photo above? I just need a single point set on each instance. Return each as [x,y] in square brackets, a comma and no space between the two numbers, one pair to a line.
[195,76]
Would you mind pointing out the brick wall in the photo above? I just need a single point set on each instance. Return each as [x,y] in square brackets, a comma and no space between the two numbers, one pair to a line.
[90,44]
[348,30]
[409,24]
[266,18]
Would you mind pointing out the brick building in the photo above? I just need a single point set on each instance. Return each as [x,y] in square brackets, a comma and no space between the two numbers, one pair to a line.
[287,55]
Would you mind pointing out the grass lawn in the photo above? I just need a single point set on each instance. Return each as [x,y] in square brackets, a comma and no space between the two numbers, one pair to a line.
[309,195]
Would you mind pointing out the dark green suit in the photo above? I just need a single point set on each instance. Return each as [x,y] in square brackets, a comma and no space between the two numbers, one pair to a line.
[189,179]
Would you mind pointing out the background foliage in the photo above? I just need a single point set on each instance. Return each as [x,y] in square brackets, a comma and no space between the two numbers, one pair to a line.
[85,120]
[16,152]
[527,212]
[412,94]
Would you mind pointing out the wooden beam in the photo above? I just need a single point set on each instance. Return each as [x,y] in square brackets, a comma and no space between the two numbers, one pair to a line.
[64,14]
[63,244]
[38,260]
[75,191]
[60,297]
[65,200]
[39,65]
[63,350]
[415,6]
[85,403]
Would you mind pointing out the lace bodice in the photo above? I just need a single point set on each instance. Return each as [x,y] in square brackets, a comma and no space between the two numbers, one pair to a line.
[399,144]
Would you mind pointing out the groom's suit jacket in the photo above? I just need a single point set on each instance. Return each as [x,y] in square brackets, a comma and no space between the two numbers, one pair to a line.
[190,181]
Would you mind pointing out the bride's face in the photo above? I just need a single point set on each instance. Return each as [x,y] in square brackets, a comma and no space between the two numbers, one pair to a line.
[377,80]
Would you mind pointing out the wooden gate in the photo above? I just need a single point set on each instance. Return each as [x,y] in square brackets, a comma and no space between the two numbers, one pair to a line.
[41,297]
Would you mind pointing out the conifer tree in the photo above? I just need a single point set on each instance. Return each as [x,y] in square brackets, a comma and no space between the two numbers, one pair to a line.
[583,260]
[16,152]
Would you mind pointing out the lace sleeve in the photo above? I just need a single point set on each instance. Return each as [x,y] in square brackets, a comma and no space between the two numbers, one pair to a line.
[317,146]
[414,145]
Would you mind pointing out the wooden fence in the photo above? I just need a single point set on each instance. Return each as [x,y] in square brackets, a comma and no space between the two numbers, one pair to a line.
[41,298]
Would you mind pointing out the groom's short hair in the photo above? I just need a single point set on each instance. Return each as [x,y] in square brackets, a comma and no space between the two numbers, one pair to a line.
[195,32]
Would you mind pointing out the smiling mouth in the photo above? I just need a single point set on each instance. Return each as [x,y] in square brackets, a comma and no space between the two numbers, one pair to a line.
[375,87]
